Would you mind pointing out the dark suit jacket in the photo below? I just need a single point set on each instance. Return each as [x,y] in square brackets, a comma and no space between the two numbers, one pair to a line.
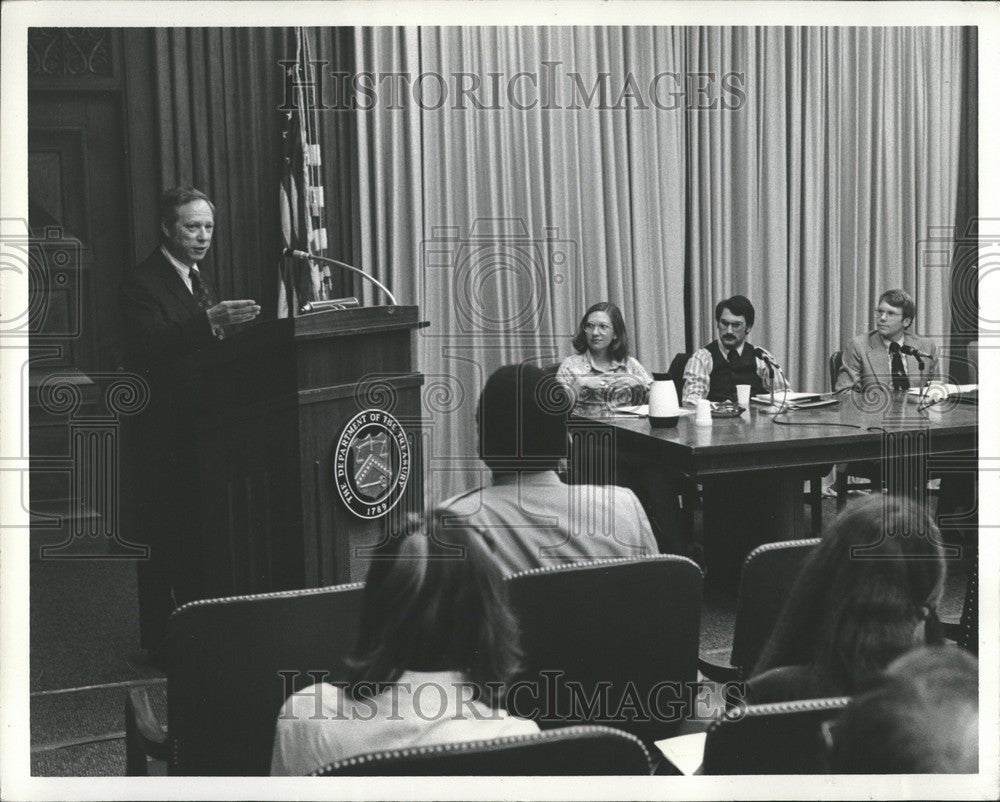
[161,322]
[866,362]
[160,317]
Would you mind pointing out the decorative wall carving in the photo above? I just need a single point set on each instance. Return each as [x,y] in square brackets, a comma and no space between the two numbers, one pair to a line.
[70,52]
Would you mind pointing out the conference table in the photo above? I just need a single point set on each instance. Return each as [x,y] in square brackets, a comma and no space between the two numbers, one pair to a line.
[752,467]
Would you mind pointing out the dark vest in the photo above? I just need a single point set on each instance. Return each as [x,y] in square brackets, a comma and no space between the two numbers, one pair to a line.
[726,375]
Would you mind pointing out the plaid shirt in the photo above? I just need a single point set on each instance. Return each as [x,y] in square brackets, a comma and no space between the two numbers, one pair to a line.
[699,369]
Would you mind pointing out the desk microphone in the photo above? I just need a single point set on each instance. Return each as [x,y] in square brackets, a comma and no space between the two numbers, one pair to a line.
[760,353]
[911,351]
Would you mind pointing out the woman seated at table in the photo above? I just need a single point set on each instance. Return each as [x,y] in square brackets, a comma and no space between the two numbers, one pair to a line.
[867,594]
[602,375]
[437,643]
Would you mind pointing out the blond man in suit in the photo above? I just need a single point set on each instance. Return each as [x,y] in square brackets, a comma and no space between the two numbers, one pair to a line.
[891,355]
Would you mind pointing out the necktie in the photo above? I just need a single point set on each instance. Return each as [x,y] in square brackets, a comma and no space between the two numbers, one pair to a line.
[204,298]
[900,381]
[199,290]
[732,356]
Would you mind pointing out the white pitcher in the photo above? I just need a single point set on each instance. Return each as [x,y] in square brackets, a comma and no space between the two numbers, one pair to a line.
[664,410]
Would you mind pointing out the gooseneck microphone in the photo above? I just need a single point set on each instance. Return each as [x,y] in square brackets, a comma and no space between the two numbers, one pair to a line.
[760,353]
[909,350]
[344,266]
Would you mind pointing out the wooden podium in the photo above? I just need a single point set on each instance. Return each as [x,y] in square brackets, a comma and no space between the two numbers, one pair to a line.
[268,407]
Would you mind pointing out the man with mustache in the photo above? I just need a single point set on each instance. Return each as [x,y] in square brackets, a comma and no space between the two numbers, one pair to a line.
[715,370]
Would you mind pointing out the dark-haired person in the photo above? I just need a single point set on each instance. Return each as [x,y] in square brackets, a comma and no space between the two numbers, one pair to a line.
[602,375]
[527,516]
[876,358]
[867,594]
[920,717]
[713,371]
[168,309]
[437,645]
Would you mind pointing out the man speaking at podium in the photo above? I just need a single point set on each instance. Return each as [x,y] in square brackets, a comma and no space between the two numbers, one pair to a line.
[168,309]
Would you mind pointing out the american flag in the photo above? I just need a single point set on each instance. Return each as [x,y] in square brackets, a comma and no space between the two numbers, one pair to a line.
[301,193]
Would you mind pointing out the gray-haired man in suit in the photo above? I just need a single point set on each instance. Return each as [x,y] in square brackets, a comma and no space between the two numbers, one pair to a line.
[168,309]
[886,356]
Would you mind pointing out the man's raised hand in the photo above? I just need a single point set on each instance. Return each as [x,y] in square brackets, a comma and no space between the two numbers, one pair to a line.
[227,313]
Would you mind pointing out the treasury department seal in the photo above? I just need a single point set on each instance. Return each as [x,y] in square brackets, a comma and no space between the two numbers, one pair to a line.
[371,463]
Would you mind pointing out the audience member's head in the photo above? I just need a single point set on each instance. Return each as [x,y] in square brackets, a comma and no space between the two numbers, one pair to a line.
[522,420]
[867,594]
[430,605]
[920,717]
[595,316]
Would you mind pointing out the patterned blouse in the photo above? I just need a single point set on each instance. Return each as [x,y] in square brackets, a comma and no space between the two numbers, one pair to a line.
[598,390]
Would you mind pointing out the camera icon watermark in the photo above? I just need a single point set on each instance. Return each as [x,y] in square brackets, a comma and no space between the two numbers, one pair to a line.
[51,261]
[972,260]
[503,281]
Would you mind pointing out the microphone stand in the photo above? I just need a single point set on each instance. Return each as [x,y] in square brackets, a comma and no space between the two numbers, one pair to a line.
[923,388]
[772,408]
[345,266]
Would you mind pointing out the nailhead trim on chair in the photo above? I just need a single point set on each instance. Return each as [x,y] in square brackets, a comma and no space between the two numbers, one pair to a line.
[278,594]
[782,544]
[492,744]
[608,561]
[797,706]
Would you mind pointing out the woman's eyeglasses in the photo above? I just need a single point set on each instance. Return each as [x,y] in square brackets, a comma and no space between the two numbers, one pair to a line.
[601,327]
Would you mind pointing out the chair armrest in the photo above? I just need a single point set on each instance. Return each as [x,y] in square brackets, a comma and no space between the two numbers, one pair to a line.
[145,736]
[718,673]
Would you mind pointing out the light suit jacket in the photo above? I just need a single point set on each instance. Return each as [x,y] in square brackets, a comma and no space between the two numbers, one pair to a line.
[866,362]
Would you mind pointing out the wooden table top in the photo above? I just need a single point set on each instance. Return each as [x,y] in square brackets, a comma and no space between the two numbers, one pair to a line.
[801,438]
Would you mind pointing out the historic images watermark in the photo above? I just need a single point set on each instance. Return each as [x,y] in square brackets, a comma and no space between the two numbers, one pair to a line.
[550,698]
[552,87]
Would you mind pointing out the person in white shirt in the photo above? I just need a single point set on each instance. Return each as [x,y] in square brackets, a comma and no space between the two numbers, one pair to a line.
[437,647]
[526,515]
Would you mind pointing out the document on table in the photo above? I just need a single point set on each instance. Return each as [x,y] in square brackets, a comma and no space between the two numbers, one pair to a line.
[684,751]
[642,411]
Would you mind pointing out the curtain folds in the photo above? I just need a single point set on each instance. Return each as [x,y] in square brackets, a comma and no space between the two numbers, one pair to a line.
[220,130]
[811,196]
[823,190]
[505,223]
[835,165]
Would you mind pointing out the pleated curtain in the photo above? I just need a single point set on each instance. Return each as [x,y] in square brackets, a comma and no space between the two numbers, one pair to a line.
[818,192]
[842,172]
